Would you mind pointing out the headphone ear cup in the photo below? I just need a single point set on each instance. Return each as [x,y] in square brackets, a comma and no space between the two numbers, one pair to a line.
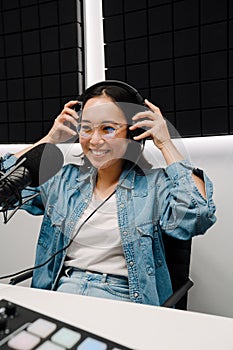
[136,132]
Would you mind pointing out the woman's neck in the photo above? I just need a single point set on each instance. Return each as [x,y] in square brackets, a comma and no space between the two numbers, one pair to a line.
[106,180]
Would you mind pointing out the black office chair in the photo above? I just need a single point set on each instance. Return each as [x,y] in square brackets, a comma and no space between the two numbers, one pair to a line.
[178,255]
[178,260]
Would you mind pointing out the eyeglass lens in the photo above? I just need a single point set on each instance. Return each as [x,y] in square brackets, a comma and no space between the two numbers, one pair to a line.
[106,130]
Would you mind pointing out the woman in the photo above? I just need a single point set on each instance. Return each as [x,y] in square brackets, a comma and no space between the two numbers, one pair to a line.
[104,221]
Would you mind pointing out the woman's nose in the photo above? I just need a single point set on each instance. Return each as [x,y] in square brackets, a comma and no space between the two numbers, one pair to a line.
[96,137]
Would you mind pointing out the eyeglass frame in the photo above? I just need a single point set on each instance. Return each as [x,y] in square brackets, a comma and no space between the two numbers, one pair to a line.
[97,125]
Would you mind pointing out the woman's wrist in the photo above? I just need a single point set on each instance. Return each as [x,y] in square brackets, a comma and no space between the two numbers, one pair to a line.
[170,152]
[47,139]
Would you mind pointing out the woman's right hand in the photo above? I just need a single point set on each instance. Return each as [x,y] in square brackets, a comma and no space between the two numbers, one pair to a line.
[64,126]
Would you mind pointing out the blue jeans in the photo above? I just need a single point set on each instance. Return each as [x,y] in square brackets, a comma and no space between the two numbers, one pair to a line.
[94,284]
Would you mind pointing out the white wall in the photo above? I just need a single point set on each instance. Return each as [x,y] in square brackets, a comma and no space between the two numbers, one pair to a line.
[212,258]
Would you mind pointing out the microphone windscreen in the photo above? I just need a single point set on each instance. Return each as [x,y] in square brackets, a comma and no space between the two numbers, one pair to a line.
[43,162]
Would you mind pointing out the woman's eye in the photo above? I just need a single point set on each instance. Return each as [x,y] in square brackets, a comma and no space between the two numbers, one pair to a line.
[86,128]
[108,129]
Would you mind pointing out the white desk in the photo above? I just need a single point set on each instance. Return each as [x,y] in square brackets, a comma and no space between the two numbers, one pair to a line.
[136,326]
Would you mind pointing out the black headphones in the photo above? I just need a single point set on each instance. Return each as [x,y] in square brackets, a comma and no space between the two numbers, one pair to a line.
[123,85]
[139,100]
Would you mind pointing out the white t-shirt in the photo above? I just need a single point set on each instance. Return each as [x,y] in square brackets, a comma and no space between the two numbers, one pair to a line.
[97,247]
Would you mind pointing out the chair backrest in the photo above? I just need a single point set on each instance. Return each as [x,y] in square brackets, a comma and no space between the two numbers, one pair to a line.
[178,253]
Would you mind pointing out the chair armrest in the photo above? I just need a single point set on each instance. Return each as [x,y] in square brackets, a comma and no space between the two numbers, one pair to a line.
[22,277]
[177,295]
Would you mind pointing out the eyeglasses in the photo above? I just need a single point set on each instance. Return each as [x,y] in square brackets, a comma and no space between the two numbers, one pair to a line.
[106,130]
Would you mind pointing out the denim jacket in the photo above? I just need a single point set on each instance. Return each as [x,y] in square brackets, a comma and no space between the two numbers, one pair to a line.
[160,201]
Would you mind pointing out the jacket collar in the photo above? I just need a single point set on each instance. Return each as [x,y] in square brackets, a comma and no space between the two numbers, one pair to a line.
[127,178]
[86,172]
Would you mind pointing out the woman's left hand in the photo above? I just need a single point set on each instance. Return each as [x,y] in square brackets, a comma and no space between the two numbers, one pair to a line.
[154,124]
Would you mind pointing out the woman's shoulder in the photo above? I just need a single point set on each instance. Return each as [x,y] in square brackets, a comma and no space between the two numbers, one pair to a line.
[69,170]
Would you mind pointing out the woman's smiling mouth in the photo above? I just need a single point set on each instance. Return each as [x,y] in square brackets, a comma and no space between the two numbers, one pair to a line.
[99,153]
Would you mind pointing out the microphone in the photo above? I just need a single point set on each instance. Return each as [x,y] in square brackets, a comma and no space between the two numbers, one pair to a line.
[33,168]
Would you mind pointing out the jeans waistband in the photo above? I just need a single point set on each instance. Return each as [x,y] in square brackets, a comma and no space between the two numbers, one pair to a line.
[104,277]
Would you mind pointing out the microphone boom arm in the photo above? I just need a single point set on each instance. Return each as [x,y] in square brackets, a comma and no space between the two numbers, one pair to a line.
[5,210]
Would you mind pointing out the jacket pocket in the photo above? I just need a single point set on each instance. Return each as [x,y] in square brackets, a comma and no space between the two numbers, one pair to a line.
[55,216]
[53,225]
[151,249]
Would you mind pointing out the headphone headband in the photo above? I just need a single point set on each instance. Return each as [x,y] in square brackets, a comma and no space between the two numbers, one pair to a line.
[119,83]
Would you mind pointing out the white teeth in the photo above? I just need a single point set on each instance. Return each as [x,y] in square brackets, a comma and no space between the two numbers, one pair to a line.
[99,153]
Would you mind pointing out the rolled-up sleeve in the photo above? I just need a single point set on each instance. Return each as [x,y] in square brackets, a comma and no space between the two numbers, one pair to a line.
[7,161]
[184,212]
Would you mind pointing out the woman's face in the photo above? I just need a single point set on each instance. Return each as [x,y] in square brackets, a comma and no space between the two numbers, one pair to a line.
[106,144]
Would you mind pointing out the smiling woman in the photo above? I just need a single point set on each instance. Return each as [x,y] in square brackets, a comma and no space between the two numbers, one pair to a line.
[104,220]
[106,144]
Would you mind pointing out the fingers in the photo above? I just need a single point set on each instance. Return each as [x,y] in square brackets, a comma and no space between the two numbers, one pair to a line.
[69,109]
[65,127]
[68,114]
[151,121]
[154,114]
[153,107]
[144,124]
[67,121]
[146,120]
[142,136]
[71,103]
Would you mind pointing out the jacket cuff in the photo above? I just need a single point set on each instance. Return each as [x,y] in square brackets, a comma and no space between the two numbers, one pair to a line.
[177,170]
[8,160]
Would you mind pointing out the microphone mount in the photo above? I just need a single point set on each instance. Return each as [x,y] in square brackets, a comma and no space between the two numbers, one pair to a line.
[21,201]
